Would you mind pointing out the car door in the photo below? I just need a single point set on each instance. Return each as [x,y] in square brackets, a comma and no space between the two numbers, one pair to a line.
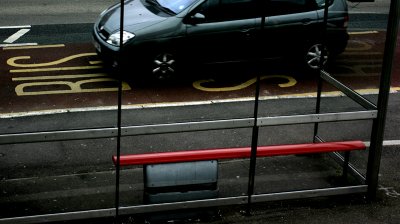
[220,30]
[289,26]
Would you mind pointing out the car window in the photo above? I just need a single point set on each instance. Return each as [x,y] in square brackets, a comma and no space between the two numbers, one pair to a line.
[226,10]
[321,3]
[283,7]
[176,6]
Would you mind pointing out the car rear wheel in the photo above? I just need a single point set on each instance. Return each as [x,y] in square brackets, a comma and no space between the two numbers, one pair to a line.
[313,57]
[164,66]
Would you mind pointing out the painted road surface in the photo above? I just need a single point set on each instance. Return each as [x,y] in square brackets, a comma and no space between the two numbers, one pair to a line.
[50,78]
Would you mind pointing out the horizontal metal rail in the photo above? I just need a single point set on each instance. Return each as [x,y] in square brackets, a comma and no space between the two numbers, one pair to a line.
[57,217]
[188,127]
[81,134]
[140,209]
[316,118]
[310,193]
[321,192]
[49,136]
[348,91]
[236,153]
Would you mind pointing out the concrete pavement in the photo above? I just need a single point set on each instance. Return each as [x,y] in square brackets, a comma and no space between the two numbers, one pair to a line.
[353,209]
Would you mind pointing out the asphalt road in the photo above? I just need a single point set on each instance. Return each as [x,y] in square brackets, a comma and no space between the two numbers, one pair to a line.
[38,178]
[44,12]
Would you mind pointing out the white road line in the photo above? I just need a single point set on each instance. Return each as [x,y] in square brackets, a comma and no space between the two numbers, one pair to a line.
[386,143]
[17,45]
[16,36]
[15,27]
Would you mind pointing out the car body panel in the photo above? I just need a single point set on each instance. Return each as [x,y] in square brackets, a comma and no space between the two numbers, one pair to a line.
[136,15]
[221,41]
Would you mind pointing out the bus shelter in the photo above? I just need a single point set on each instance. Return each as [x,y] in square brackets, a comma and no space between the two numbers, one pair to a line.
[157,166]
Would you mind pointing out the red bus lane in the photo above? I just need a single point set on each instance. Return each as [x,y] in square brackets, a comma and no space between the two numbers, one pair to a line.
[49,78]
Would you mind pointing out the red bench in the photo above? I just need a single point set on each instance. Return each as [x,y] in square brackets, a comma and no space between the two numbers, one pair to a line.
[235,153]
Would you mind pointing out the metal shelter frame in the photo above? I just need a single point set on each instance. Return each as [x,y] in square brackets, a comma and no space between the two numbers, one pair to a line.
[368,184]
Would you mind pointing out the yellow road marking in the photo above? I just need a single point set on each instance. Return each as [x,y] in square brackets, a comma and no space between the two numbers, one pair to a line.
[198,84]
[362,46]
[331,93]
[12,61]
[95,62]
[361,53]
[74,87]
[363,32]
[55,69]
[59,77]
[34,47]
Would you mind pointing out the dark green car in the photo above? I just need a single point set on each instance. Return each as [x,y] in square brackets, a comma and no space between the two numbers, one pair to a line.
[161,36]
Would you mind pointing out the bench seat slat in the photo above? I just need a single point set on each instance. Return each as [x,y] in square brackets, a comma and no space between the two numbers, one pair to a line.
[236,153]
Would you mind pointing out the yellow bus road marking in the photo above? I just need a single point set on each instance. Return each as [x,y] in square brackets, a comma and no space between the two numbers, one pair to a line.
[198,84]
[59,77]
[355,53]
[33,47]
[366,61]
[73,87]
[12,61]
[334,93]
[363,32]
[95,62]
[54,69]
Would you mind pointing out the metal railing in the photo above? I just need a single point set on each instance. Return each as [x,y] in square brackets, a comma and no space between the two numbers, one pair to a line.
[367,185]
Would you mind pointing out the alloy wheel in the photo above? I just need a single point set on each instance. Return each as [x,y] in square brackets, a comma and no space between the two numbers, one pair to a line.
[163,66]
[314,56]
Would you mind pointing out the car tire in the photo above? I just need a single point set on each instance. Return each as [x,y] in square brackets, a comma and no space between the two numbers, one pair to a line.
[313,56]
[163,66]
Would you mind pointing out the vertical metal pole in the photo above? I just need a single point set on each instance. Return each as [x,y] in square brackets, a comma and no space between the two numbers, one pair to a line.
[319,79]
[254,140]
[378,126]
[254,144]
[346,165]
[317,106]
[119,116]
